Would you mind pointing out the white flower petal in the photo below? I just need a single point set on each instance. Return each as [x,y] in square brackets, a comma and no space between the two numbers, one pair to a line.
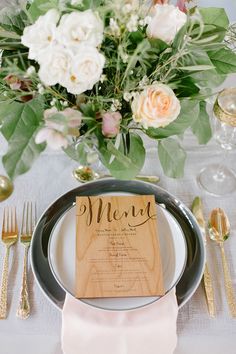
[57,141]
[39,36]
[166,22]
[55,64]
[80,27]
[86,70]
[42,135]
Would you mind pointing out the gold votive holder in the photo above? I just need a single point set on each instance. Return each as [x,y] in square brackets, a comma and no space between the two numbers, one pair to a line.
[225,106]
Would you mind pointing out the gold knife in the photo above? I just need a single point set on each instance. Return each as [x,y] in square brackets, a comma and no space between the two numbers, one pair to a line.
[197,210]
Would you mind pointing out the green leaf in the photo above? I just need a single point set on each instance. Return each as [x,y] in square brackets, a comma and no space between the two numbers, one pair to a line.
[88,110]
[120,157]
[125,167]
[197,60]
[215,22]
[208,78]
[179,38]
[8,35]
[72,152]
[19,127]
[196,67]
[91,4]
[136,57]
[12,19]
[158,44]
[8,117]
[77,152]
[185,87]
[201,127]
[224,60]
[188,114]
[40,7]
[215,16]
[136,37]
[172,157]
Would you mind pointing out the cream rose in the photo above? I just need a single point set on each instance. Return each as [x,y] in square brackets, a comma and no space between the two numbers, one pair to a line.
[80,27]
[156,106]
[166,22]
[54,65]
[86,70]
[41,35]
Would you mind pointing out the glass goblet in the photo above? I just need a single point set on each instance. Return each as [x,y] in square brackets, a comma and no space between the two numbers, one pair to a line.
[219,179]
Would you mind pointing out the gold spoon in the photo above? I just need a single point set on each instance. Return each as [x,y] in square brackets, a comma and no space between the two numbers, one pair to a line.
[85,174]
[6,188]
[219,229]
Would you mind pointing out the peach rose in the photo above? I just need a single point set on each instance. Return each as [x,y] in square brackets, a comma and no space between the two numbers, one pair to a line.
[156,106]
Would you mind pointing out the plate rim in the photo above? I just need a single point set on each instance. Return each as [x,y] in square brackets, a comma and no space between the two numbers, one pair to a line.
[109,309]
[57,304]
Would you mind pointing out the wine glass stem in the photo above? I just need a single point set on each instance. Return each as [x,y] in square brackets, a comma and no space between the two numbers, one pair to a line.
[223,162]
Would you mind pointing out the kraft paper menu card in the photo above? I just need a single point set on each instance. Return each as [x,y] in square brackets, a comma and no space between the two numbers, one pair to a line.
[117,247]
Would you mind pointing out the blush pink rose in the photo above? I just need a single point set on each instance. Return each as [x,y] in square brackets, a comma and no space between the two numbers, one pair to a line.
[111,124]
[54,139]
[74,117]
[55,133]
[181,4]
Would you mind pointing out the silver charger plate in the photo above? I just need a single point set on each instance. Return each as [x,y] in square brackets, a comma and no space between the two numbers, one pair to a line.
[62,255]
[193,271]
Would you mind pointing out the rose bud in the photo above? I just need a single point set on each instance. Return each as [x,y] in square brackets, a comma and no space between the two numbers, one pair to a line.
[111,124]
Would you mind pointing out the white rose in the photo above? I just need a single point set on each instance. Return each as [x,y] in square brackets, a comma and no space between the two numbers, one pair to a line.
[79,27]
[86,70]
[39,36]
[156,106]
[166,22]
[54,65]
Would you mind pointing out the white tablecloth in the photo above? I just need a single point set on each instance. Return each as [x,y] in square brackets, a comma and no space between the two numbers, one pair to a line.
[49,178]
[40,334]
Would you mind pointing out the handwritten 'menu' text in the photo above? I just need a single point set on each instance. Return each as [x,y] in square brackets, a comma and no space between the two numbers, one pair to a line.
[99,210]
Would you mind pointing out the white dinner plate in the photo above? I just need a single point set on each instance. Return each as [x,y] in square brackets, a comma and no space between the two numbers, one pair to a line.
[61,252]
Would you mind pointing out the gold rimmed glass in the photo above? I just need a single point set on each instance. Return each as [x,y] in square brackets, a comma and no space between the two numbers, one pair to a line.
[219,179]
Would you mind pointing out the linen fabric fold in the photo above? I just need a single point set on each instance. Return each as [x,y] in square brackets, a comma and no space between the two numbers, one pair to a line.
[150,329]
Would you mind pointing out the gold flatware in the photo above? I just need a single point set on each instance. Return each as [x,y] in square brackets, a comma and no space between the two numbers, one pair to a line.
[28,223]
[6,188]
[9,237]
[219,229]
[85,174]
[197,210]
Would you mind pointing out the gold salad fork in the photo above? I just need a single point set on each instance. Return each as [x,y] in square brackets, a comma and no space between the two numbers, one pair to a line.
[9,237]
[28,223]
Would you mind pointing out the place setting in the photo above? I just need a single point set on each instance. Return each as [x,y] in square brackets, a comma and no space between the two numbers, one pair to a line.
[123,248]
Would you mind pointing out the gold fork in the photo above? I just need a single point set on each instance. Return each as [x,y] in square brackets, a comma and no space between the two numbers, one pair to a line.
[27,227]
[9,237]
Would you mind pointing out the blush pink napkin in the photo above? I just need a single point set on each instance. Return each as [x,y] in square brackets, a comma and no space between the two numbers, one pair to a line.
[148,330]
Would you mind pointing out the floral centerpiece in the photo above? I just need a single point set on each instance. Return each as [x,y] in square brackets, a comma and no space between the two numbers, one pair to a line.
[91,77]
